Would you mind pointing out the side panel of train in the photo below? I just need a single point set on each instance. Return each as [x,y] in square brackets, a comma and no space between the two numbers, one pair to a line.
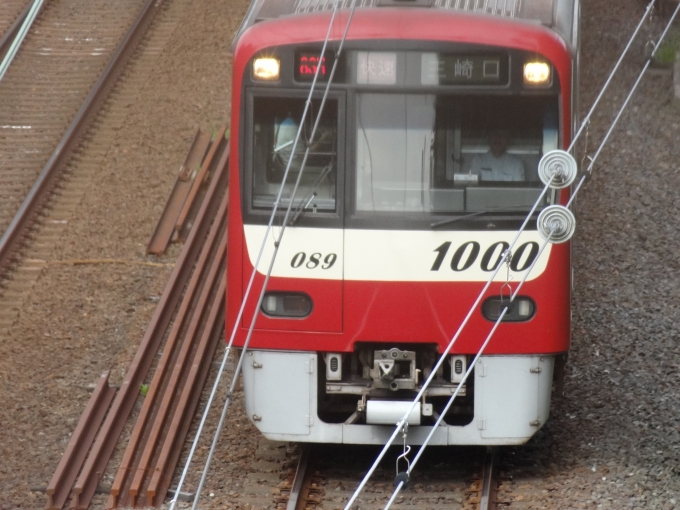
[396,227]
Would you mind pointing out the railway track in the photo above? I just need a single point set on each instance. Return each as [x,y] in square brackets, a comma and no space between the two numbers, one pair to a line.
[325,477]
[56,68]
[191,314]
[35,213]
[48,99]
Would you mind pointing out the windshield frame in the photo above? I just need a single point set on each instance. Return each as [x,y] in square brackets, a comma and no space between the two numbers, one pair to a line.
[261,215]
[495,219]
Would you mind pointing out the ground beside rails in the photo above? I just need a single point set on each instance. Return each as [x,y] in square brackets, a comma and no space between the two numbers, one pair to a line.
[610,440]
[117,155]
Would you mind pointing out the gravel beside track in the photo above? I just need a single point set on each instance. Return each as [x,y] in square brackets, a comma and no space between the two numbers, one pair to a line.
[81,320]
[613,439]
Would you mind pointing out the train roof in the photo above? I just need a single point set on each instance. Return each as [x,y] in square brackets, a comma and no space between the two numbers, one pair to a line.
[558,15]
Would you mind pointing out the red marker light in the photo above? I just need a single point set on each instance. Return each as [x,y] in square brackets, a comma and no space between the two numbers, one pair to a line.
[308,63]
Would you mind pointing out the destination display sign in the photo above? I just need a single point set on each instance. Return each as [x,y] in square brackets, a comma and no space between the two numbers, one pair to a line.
[306,64]
[461,69]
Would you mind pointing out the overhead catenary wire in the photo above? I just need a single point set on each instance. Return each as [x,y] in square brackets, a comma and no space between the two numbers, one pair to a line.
[623,106]
[19,39]
[467,373]
[546,242]
[401,423]
[257,263]
[237,370]
[611,75]
[442,358]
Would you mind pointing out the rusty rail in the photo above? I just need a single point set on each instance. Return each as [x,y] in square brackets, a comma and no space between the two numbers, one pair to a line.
[209,286]
[322,466]
[166,225]
[25,216]
[81,440]
[198,181]
[139,367]
[171,373]
[300,488]
[489,485]
[179,427]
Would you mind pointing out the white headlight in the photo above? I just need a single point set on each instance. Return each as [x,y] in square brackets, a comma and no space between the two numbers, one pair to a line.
[536,73]
[266,68]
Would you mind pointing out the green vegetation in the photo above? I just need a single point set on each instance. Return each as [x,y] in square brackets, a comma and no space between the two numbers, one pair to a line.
[665,53]
[144,389]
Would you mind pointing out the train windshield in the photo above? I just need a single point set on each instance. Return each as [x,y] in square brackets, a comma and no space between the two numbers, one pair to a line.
[276,122]
[421,153]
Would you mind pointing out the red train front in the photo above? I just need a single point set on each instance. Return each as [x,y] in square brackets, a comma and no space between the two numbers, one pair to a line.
[423,168]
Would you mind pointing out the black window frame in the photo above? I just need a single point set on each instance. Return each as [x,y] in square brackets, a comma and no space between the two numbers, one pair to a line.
[306,219]
[344,88]
[390,220]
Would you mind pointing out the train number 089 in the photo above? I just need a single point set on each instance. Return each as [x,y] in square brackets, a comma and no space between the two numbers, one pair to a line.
[315,260]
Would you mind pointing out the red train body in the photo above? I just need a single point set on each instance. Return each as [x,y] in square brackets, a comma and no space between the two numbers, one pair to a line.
[369,267]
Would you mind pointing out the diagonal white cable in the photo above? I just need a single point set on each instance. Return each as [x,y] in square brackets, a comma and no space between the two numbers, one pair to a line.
[611,75]
[257,263]
[623,107]
[271,265]
[442,358]
[400,424]
[21,35]
[466,375]
[546,242]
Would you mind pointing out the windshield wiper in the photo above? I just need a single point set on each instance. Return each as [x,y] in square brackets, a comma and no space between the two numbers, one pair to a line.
[472,215]
[307,201]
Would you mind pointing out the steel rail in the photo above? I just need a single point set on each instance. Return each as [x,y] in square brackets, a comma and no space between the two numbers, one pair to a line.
[198,182]
[166,225]
[487,499]
[127,395]
[80,442]
[166,378]
[26,214]
[12,32]
[207,275]
[191,394]
[295,501]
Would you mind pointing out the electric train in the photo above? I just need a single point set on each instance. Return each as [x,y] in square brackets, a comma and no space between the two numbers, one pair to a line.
[422,169]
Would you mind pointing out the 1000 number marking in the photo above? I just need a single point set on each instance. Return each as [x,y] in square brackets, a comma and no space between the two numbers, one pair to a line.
[467,254]
[315,260]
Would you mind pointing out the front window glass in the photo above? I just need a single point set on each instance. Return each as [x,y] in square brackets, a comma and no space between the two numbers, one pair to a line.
[435,154]
[276,122]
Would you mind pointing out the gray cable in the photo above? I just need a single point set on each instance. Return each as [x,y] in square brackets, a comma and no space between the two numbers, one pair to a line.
[256,313]
[243,304]
[401,423]
[19,39]
[465,376]
[611,76]
[623,107]
[399,426]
